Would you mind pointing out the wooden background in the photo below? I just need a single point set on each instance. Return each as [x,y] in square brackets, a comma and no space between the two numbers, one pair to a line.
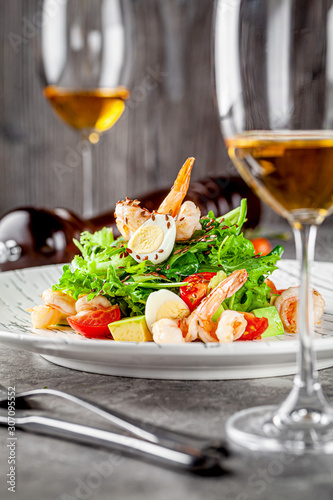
[177,118]
[145,149]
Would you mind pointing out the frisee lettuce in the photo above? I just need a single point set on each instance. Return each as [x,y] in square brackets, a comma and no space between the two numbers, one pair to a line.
[105,268]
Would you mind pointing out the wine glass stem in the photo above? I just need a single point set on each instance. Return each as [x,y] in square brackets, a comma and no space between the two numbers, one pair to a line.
[305,239]
[306,398]
[86,151]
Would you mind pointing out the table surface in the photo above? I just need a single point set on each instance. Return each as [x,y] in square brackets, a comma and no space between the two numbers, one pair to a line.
[52,469]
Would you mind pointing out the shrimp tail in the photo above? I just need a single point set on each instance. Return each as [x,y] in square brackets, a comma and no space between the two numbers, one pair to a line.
[172,203]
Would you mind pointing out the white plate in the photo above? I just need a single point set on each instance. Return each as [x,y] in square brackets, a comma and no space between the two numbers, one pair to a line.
[265,358]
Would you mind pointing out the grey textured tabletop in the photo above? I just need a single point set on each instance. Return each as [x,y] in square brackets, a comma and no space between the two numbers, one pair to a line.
[52,469]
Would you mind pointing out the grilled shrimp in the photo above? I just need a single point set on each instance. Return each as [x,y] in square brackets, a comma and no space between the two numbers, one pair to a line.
[287,305]
[60,301]
[188,221]
[44,316]
[98,302]
[199,324]
[231,326]
[129,216]
[167,331]
[57,306]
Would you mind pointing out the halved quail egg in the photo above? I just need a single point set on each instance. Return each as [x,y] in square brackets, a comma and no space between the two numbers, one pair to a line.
[164,304]
[154,240]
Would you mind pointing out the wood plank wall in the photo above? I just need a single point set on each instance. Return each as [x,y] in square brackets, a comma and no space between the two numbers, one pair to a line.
[162,126]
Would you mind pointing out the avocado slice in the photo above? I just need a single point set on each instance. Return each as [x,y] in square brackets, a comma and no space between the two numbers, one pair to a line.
[275,326]
[131,330]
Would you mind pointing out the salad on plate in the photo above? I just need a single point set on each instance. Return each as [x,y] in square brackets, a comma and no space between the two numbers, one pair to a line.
[171,277]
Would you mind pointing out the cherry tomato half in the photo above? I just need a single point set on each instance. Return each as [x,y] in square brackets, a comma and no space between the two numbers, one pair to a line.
[193,294]
[255,327]
[94,324]
[262,246]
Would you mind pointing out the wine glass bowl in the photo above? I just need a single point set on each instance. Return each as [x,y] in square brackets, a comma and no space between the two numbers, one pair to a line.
[84,59]
[275,96]
[274,85]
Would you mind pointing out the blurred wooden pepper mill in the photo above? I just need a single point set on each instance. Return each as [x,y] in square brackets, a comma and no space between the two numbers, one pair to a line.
[34,237]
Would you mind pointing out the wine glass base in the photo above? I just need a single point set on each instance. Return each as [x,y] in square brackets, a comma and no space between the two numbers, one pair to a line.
[261,429]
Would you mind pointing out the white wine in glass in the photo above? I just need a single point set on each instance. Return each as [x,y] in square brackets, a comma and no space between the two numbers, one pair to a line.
[274,83]
[84,58]
[93,111]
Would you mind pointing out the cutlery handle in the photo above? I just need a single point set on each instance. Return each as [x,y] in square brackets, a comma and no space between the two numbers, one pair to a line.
[157,434]
[191,461]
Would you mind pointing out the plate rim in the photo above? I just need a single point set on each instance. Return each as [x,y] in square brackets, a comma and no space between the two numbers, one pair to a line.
[194,348]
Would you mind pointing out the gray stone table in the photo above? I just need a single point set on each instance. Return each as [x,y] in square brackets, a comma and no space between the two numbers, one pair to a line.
[52,469]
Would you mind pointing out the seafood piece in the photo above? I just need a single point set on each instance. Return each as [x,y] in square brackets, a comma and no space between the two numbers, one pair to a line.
[129,216]
[287,305]
[167,331]
[188,221]
[231,326]
[199,324]
[60,301]
[98,302]
[172,203]
[44,316]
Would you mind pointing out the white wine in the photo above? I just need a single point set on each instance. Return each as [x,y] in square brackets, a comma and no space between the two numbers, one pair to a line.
[95,109]
[292,171]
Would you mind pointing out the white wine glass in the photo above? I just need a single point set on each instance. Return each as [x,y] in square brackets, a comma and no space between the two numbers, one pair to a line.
[84,59]
[274,84]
